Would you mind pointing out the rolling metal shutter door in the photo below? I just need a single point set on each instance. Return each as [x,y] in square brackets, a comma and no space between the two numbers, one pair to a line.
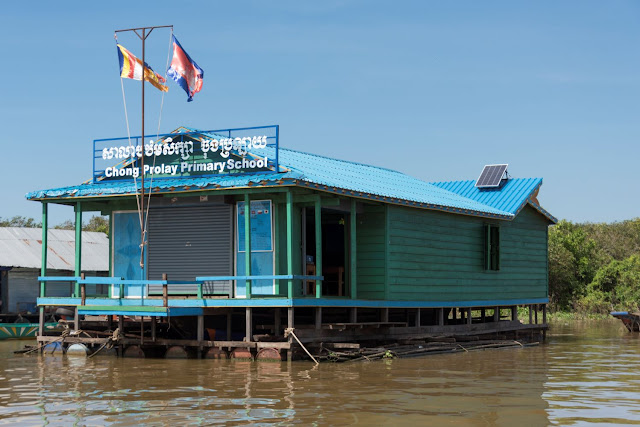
[190,241]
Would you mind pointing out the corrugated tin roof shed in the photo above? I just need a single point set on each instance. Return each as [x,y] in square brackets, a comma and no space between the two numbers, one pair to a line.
[22,248]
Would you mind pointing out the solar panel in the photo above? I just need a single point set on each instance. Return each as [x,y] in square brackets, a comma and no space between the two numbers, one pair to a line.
[491,176]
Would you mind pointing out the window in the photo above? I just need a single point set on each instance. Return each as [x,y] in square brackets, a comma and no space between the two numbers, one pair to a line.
[491,247]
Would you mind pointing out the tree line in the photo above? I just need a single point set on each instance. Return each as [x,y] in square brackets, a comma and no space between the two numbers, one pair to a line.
[595,267]
[96,223]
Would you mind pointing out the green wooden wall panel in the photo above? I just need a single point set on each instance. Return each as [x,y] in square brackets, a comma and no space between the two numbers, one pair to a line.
[370,252]
[439,256]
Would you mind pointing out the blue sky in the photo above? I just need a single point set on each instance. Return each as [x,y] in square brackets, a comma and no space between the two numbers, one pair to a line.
[433,89]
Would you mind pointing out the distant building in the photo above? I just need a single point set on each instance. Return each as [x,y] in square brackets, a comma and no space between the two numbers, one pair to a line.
[20,261]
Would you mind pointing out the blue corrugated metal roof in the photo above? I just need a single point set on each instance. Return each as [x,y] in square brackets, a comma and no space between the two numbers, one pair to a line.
[510,197]
[332,175]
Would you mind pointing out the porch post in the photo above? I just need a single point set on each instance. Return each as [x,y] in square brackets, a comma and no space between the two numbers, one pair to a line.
[352,270]
[78,209]
[318,219]
[45,233]
[247,243]
[290,243]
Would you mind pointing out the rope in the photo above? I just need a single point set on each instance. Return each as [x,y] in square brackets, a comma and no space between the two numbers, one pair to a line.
[64,334]
[109,343]
[290,331]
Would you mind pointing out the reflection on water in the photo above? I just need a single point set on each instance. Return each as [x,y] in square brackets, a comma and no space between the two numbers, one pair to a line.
[585,374]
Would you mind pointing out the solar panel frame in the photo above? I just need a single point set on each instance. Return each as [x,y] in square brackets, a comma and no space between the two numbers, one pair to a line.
[491,176]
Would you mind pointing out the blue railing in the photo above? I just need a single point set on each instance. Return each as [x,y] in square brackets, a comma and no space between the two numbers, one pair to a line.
[144,284]
[272,133]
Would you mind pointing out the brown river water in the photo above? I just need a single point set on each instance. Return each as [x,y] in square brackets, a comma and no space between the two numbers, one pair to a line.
[587,373]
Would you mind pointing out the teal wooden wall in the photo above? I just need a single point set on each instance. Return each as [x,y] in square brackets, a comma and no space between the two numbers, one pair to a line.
[370,252]
[438,256]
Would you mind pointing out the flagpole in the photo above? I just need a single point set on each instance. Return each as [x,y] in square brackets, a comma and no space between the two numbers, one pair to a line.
[143,222]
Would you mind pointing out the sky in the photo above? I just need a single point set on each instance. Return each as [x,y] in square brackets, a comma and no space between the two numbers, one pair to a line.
[433,89]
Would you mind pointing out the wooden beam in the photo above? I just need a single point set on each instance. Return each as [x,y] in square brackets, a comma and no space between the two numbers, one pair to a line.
[40,320]
[469,318]
[318,324]
[441,317]
[418,319]
[353,315]
[248,324]
[384,315]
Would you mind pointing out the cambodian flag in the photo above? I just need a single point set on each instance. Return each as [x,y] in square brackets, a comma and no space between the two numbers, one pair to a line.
[184,71]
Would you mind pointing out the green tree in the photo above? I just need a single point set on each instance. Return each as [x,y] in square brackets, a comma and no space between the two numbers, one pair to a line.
[96,223]
[616,286]
[19,221]
[573,262]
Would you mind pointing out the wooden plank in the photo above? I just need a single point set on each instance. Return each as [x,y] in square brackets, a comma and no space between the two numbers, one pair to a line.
[74,340]
[273,344]
[338,345]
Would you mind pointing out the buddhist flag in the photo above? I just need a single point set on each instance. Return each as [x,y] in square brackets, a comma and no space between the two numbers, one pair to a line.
[184,71]
[131,68]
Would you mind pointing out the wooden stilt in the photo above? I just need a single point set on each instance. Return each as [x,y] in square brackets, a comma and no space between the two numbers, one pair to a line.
[229,315]
[154,321]
[483,314]
[142,330]
[385,315]
[514,313]
[110,323]
[200,336]
[76,319]
[277,322]
[441,317]
[41,321]
[454,314]
[544,320]
[496,314]
[530,314]
[418,320]
[353,315]
[469,318]
[537,307]
[290,325]
[165,291]
[248,324]
[318,317]
[121,327]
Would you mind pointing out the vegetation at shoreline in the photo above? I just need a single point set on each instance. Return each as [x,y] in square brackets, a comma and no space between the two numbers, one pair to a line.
[594,267]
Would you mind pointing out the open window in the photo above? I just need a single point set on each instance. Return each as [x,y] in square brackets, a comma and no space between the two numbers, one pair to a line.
[491,247]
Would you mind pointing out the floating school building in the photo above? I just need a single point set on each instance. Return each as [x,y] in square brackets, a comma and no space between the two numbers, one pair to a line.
[246,241]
